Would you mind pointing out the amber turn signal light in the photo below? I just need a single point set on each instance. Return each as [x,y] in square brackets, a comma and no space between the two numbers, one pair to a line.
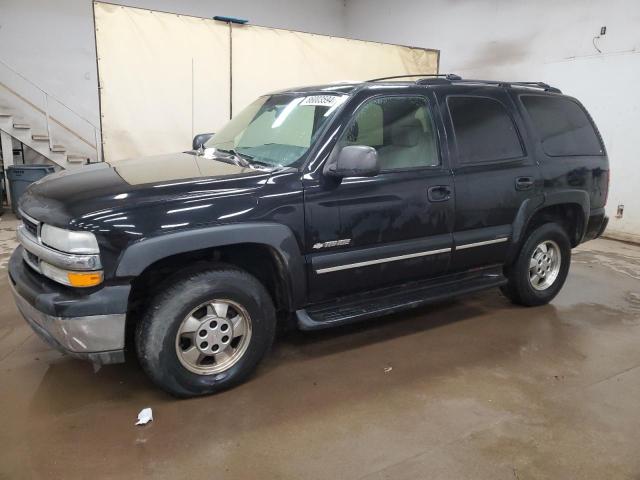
[84,279]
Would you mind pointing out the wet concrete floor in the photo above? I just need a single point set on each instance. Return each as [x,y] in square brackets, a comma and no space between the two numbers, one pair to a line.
[473,388]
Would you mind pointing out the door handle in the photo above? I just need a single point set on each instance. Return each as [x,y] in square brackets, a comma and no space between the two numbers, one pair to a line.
[524,183]
[439,193]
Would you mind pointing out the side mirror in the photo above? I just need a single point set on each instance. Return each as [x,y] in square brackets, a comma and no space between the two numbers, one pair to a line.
[200,139]
[353,161]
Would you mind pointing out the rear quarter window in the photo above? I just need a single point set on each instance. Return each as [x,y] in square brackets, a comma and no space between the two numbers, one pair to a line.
[484,131]
[563,126]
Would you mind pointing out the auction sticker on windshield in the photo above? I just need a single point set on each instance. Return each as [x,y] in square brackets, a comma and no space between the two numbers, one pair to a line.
[321,100]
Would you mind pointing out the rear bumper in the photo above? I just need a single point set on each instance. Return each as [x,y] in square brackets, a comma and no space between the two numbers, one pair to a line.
[603,226]
[596,225]
[59,314]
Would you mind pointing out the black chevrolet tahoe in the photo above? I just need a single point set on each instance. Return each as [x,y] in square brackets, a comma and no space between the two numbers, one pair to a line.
[327,205]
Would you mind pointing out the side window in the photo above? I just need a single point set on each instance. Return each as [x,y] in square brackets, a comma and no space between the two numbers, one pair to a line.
[368,127]
[484,130]
[401,129]
[563,126]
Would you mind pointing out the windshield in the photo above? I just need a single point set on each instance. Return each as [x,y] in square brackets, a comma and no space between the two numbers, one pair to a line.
[277,130]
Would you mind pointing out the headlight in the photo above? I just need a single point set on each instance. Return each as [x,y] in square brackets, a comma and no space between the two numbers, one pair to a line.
[72,243]
[69,241]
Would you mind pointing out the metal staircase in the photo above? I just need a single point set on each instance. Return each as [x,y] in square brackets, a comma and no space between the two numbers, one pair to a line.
[45,124]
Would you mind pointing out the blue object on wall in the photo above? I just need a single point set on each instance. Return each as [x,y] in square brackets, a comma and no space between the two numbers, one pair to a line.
[240,21]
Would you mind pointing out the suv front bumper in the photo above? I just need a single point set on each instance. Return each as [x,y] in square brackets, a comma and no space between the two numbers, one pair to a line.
[88,325]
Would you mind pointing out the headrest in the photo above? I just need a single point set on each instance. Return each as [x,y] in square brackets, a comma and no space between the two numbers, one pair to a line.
[407,134]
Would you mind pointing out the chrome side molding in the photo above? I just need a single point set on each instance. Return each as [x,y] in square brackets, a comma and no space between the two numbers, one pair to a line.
[479,244]
[381,260]
[347,266]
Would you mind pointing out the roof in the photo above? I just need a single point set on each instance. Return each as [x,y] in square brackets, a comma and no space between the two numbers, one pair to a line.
[420,79]
[336,87]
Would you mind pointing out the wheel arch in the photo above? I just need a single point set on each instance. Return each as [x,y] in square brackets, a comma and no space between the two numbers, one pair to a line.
[568,208]
[266,250]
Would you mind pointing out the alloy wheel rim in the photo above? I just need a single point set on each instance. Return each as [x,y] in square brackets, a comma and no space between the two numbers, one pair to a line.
[213,337]
[544,265]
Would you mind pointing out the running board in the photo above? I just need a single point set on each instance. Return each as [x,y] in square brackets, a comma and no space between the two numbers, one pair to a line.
[395,299]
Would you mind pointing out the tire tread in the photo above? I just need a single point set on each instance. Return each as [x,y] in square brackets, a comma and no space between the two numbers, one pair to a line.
[518,288]
[148,338]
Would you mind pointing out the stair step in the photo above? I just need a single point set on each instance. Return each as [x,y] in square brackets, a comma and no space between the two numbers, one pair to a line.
[40,137]
[394,299]
[21,126]
[6,114]
[77,158]
[58,148]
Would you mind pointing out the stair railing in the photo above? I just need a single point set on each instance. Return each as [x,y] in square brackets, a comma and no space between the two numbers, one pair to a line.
[55,113]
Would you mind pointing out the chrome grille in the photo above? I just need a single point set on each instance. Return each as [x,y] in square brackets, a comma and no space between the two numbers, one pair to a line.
[32,260]
[30,225]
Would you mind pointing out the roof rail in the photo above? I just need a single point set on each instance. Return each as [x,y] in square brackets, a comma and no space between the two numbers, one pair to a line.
[540,85]
[545,86]
[448,76]
[440,78]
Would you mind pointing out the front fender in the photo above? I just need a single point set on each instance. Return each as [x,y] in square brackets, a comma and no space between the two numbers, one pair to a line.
[140,255]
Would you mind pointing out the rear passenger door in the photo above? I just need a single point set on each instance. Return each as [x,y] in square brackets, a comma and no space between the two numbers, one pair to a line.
[493,172]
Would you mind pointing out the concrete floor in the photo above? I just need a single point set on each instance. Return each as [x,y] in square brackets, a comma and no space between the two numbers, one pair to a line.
[477,388]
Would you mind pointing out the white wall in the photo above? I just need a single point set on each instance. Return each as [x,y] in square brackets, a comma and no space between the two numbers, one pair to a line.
[545,40]
[548,40]
[52,41]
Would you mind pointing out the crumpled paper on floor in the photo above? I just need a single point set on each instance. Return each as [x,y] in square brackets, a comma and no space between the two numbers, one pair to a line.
[145,416]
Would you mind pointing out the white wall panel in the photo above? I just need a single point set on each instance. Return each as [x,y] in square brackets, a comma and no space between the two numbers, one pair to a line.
[151,103]
[163,76]
[547,40]
[52,42]
[269,59]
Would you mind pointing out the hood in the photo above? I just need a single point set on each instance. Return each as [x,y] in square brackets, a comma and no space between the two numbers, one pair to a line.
[182,177]
[170,168]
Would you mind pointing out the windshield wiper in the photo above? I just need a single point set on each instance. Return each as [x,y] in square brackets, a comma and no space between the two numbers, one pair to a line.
[265,164]
[246,160]
[243,159]
[249,160]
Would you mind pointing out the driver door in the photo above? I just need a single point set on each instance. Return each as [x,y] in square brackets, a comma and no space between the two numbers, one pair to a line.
[367,233]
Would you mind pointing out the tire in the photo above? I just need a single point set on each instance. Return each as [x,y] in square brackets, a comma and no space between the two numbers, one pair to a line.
[191,313]
[527,286]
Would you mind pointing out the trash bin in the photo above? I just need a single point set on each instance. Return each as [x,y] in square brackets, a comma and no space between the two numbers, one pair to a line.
[20,177]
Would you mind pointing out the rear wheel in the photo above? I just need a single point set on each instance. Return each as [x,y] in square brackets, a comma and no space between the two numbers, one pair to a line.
[541,268]
[206,332]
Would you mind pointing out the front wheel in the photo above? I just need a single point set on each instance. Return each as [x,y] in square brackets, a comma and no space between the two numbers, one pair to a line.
[541,268]
[206,332]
